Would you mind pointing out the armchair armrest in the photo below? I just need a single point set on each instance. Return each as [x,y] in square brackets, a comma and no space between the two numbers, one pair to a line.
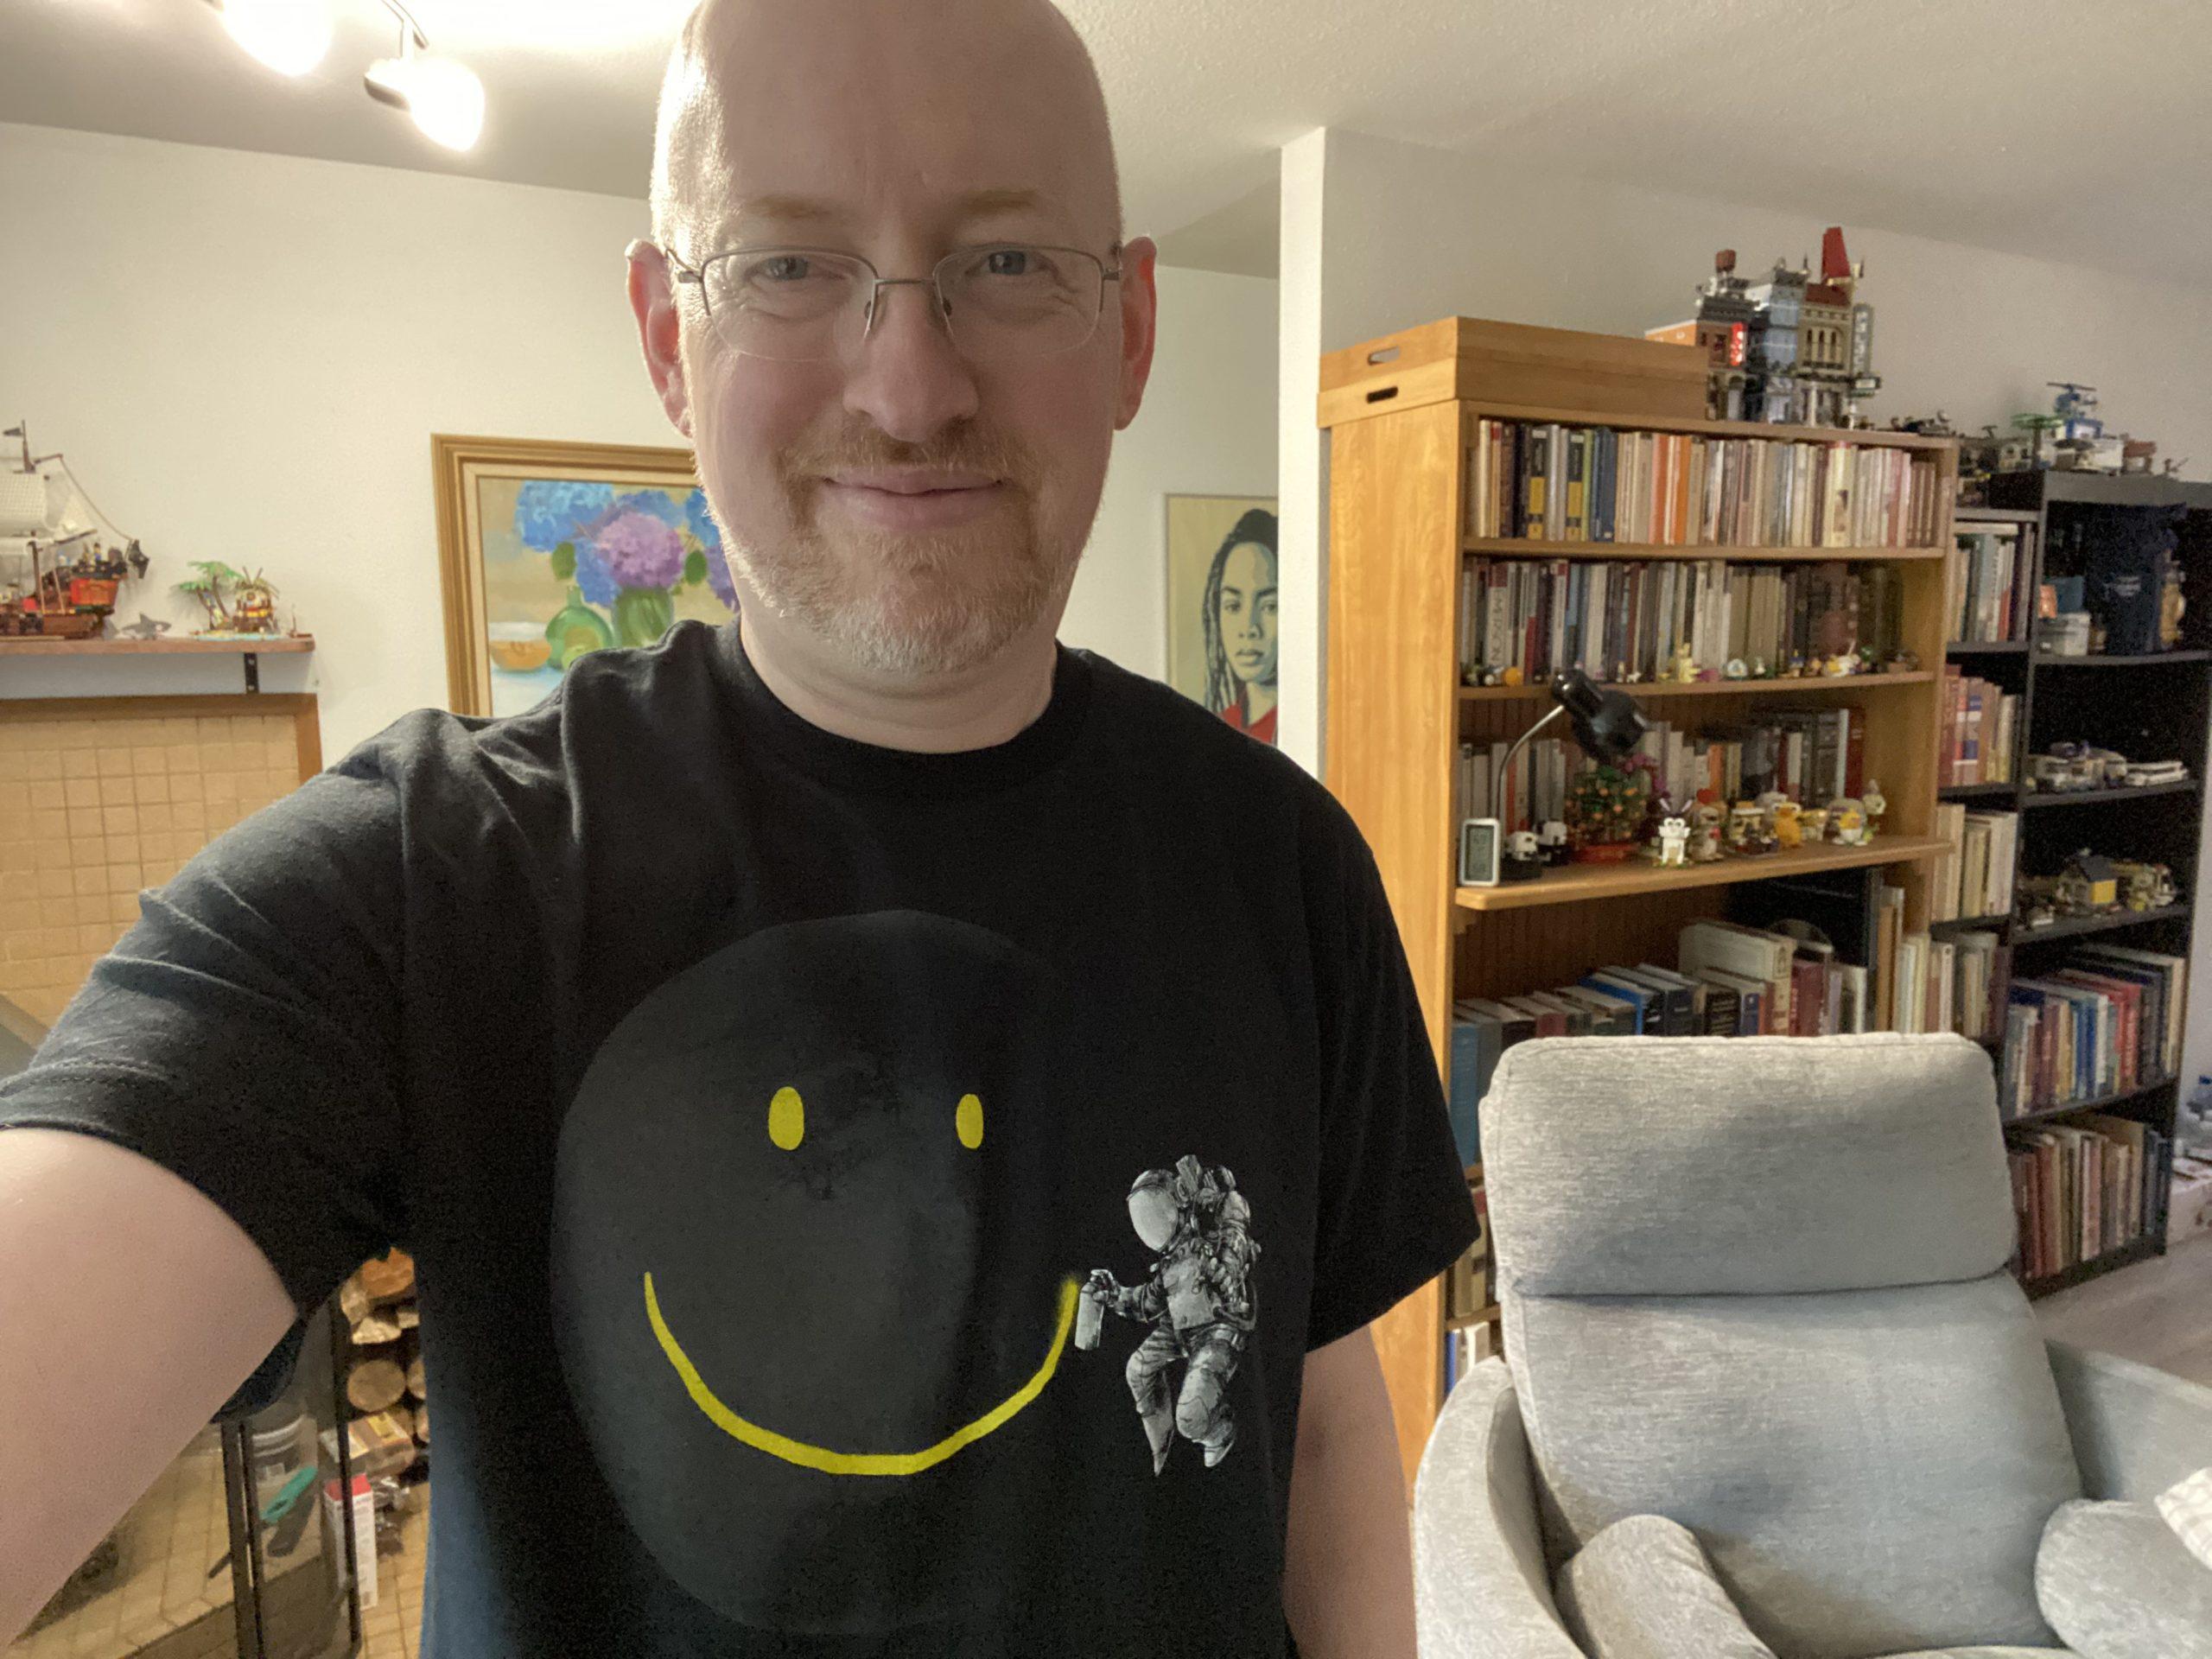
[2136,1431]
[1481,1590]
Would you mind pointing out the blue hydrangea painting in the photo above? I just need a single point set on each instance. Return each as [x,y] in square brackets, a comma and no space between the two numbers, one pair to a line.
[572,565]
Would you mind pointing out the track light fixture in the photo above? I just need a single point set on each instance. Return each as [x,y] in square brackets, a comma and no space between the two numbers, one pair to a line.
[292,36]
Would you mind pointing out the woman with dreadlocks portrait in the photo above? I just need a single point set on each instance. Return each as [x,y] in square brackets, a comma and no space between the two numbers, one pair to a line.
[1240,626]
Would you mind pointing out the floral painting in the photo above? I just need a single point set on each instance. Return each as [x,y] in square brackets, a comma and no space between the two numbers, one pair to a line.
[549,563]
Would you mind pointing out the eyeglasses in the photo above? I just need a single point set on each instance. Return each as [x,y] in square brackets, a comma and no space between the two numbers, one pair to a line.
[805,305]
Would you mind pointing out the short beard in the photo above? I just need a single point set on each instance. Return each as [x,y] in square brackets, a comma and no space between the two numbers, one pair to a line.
[912,606]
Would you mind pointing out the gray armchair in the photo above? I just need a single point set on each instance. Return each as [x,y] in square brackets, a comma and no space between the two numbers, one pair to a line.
[1759,1287]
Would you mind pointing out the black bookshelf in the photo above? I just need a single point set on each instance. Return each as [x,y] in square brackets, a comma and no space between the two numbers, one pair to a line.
[2098,1103]
[2036,800]
[2141,1249]
[2074,927]
[1985,648]
[2151,706]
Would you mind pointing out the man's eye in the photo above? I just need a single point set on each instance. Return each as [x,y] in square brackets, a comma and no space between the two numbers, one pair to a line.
[784,267]
[1009,262]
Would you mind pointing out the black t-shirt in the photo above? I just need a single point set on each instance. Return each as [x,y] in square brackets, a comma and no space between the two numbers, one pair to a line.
[864,1203]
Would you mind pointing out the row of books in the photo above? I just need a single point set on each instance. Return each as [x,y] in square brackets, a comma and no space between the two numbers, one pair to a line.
[1973,878]
[1548,482]
[1627,619]
[1992,583]
[1978,726]
[1812,756]
[2083,1190]
[2106,1022]
[1730,980]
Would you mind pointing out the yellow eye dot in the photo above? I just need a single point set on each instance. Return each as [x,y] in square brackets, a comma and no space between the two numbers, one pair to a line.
[787,1118]
[969,1121]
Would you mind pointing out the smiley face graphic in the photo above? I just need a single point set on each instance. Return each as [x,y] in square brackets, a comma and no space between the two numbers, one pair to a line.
[810,1294]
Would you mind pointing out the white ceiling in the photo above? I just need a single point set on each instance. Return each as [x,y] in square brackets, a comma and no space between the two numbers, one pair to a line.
[2076,131]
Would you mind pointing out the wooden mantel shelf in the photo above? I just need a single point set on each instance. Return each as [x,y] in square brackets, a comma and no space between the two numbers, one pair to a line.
[37,645]
[1577,883]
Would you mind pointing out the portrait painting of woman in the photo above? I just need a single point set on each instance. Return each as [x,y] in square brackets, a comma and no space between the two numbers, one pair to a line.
[1221,597]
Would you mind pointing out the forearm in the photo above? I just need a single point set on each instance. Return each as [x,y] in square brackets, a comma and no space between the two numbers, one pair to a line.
[1348,1576]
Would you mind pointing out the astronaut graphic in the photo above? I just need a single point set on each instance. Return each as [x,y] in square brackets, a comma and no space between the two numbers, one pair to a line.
[1198,1298]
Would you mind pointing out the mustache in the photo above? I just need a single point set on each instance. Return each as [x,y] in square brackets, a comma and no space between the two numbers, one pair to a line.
[968,448]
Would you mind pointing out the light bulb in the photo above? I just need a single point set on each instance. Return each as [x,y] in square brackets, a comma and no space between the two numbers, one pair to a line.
[290,36]
[445,97]
[448,102]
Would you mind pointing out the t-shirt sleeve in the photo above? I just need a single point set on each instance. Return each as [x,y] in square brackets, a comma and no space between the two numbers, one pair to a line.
[1394,1207]
[244,1032]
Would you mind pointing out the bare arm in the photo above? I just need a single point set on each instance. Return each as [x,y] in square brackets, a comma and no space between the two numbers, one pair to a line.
[1348,1573]
[130,1308]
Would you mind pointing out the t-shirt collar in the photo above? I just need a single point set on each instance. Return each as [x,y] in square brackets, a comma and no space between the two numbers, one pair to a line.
[848,762]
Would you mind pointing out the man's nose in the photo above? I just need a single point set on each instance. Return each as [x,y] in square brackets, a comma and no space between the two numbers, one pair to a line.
[908,378]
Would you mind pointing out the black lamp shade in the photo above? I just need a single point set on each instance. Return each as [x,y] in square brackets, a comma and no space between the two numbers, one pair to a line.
[1607,724]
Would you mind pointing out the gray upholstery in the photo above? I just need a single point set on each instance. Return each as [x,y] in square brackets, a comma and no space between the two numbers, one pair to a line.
[1479,1574]
[1728,1305]
[2136,1431]
[1709,1166]
[1817,1444]
[2116,1583]
[1643,1589]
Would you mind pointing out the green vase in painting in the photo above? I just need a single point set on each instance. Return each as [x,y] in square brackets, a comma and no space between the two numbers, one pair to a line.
[575,629]
[643,614]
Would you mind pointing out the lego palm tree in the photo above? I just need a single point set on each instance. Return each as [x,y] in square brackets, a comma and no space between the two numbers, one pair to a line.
[210,585]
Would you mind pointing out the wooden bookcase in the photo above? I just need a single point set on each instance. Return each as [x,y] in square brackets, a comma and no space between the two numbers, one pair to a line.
[1401,413]
[2151,707]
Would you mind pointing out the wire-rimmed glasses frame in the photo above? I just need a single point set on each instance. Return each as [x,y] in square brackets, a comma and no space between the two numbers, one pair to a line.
[1048,320]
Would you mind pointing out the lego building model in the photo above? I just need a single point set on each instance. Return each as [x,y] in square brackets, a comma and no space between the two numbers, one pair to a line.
[1791,347]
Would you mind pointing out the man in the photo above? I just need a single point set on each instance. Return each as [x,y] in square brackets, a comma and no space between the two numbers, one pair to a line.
[756,1043]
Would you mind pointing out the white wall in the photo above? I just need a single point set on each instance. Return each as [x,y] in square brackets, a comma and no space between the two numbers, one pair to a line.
[1207,427]
[245,355]
[1395,234]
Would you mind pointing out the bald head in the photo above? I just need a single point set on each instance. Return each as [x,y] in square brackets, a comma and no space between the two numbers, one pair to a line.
[860,109]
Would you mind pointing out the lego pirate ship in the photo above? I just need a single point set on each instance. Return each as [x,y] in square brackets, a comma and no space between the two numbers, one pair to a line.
[58,579]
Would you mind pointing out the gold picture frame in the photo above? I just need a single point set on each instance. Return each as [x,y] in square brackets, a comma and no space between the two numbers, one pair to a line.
[506,639]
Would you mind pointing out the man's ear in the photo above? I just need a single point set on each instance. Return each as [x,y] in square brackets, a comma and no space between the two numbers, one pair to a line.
[1140,316]
[653,301]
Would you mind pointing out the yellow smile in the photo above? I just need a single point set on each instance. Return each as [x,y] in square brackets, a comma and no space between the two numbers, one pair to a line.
[856,1463]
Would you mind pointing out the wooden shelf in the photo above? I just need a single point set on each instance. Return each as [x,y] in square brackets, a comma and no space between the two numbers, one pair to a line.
[1468,1321]
[1786,687]
[1580,883]
[1975,791]
[1775,433]
[1987,648]
[2044,1113]
[2151,1244]
[2148,659]
[1523,547]
[2069,927]
[37,645]
[2036,800]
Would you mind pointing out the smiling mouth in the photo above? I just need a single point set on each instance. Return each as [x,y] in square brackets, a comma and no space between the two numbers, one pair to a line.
[807,1456]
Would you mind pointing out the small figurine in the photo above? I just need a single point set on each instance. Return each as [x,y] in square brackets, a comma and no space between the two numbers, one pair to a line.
[146,628]
[1783,823]
[1737,826]
[1552,838]
[1511,677]
[1759,668]
[1737,669]
[1522,844]
[1674,840]
[1813,823]
[1707,848]
[1847,823]
[1873,802]
[1905,661]
[1842,664]
[1685,664]
[1796,669]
